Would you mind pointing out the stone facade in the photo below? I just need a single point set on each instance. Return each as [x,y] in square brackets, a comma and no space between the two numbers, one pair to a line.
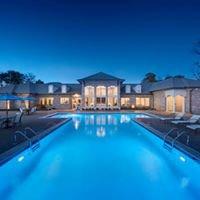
[159,101]
[191,100]
[195,101]
[171,95]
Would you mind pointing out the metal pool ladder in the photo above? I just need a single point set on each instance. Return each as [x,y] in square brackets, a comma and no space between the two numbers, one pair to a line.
[32,145]
[170,145]
[36,145]
[23,135]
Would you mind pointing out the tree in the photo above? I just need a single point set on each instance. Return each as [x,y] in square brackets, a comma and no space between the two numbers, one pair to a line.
[1,79]
[168,77]
[29,78]
[13,77]
[150,77]
[196,71]
[179,76]
[39,81]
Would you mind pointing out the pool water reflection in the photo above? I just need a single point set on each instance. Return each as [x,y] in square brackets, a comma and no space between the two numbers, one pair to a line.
[100,124]
[100,156]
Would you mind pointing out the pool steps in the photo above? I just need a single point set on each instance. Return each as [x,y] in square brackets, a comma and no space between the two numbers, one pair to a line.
[34,145]
[169,145]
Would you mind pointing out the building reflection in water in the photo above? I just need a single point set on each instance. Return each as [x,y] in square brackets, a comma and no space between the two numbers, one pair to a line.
[101,131]
[102,125]
[89,120]
[76,122]
[125,119]
[101,119]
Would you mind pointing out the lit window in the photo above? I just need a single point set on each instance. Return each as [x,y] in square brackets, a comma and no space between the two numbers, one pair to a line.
[101,100]
[64,100]
[112,91]
[125,102]
[89,101]
[100,91]
[170,103]
[46,101]
[112,101]
[142,102]
[89,91]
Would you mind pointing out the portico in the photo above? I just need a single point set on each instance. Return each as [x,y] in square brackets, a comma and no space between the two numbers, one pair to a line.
[101,91]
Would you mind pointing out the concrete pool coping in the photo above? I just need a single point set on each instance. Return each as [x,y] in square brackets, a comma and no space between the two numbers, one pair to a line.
[181,147]
[8,155]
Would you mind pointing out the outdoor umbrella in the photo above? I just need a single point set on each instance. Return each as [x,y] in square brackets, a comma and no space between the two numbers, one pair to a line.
[6,98]
[28,98]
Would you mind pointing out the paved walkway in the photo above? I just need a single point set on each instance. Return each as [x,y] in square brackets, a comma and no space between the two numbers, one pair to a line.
[33,121]
[190,140]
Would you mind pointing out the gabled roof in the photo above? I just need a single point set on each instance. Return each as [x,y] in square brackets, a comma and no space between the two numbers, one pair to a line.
[26,88]
[100,76]
[174,83]
[7,89]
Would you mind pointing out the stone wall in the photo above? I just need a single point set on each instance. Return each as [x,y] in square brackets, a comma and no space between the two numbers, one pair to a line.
[195,101]
[159,100]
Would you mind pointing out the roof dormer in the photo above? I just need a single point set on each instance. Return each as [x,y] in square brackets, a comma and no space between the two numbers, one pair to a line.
[50,89]
[63,89]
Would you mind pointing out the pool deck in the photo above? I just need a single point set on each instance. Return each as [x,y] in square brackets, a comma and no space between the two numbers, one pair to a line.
[189,142]
[37,121]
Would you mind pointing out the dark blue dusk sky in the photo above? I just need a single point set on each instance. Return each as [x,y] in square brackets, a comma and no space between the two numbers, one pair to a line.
[66,40]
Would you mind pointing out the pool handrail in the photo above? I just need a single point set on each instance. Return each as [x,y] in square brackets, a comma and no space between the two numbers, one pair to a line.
[24,135]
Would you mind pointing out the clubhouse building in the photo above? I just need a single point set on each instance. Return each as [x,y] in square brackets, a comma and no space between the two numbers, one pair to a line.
[102,91]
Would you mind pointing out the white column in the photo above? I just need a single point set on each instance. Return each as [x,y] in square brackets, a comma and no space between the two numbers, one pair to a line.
[95,96]
[106,96]
[174,104]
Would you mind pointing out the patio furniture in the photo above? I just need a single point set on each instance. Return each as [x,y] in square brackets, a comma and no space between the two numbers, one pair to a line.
[17,119]
[6,98]
[194,126]
[177,117]
[33,110]
[6,122]
[192,120]
[21,109]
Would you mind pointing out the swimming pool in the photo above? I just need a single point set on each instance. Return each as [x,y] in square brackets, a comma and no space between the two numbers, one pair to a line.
[100,156]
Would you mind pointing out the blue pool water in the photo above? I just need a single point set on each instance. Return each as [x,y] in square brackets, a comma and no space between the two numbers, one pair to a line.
[100,156]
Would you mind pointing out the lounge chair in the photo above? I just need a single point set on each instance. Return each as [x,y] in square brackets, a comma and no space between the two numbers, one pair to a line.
[192,120]
[194,127]
[33,110]
[177,117]
[21,109]
[17,119]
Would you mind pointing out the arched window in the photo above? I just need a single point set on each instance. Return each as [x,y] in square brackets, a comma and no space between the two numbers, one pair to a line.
[100,91]
[112,91]
[179,103]
[170,104]
[89,91]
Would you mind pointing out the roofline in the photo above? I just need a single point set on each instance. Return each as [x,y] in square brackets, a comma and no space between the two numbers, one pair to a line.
[170,88]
